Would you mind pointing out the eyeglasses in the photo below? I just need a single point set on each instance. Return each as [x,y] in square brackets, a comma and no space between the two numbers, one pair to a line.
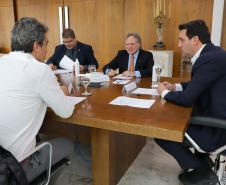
[67,41]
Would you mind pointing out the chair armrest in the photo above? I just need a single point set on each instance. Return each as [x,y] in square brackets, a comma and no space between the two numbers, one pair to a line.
[207,121]
[37,148]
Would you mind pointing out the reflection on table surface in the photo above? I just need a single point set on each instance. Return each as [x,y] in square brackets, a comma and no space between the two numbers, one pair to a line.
[163,120]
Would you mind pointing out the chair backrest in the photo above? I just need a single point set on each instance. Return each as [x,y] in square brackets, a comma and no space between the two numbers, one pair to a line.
[11,171]
[209,122]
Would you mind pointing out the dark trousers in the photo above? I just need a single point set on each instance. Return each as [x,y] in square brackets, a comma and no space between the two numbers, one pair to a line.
[208,138]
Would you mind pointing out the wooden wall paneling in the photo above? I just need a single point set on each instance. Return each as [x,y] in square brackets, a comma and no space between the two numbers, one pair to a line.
[7,22]
[184,11]
[139,18]
[223,37]
[45,11]
[114,28]
[99,23]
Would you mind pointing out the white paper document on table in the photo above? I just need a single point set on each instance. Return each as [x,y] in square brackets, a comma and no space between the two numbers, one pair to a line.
[62,71]
[75,99]
[122,77]
[132,102]
[147,91]
[66,63]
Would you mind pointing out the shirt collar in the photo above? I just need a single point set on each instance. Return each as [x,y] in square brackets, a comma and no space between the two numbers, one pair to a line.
[197,54]
[135,54]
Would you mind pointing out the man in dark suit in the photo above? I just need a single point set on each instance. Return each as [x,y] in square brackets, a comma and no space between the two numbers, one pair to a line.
[133,61]
[205,93]
[74,50]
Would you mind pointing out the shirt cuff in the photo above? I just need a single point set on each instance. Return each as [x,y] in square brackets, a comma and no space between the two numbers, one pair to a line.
[164,92]
[107,70]
[137,74]
[179,87]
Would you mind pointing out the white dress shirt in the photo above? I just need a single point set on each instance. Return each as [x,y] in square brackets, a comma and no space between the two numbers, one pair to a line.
[27,87]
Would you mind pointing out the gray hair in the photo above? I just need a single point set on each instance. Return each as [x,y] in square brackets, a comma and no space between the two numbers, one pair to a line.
[135,35]
[26,32]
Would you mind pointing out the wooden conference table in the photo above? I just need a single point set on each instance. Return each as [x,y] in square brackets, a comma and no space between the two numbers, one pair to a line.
[118,133]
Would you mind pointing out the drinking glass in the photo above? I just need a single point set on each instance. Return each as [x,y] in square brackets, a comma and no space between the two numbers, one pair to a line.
[91,68]
[158,70]
[85,81]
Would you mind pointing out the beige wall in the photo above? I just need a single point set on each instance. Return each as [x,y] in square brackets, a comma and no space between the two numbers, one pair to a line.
[6,23]
[139,17]
[223,39]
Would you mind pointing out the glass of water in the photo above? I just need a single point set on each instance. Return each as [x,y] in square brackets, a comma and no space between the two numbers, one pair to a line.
[85,81]
[92,68]
[158,70]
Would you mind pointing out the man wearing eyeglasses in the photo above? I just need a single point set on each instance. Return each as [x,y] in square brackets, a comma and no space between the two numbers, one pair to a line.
[74,49]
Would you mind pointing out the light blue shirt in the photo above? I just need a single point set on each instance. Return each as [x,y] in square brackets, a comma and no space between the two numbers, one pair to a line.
[137,73]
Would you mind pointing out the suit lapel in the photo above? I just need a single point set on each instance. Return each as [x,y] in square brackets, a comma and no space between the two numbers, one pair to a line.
[78,49]
[138,61]
[126,59]
[198,62]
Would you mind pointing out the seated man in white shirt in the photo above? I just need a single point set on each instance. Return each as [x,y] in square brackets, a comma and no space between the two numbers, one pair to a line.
[28,87]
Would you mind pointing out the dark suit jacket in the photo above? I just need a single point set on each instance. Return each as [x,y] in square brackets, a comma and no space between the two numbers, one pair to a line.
[206,92]
[144,62]
[84,54]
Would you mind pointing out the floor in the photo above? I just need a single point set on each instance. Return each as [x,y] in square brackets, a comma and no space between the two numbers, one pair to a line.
[152,167]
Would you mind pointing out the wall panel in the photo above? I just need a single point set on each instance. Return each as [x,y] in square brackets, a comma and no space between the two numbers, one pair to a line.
[223,39]
[45,11]
[99,23]
[139,18]
[7,21]
[183,11]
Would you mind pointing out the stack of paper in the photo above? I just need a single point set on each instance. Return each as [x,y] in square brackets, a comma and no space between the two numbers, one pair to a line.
[100,78]
[122,77]
[97,77]
[121,82]
[62,71]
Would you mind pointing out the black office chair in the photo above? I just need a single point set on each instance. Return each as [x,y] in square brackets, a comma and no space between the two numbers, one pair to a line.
[220,153]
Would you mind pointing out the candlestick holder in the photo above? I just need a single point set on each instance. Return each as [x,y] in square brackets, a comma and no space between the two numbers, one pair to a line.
[160,19]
